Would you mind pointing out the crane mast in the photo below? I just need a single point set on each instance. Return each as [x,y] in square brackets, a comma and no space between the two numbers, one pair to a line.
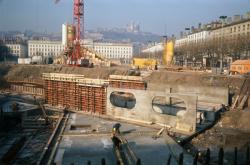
[78,23]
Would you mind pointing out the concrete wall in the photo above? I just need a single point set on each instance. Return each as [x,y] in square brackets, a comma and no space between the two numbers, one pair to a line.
[209,94]
[143,111]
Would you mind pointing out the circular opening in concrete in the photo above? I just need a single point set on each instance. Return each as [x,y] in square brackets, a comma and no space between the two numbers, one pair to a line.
[163,105]
[123,99]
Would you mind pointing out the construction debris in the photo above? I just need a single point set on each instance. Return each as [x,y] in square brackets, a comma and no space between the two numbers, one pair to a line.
[158,133]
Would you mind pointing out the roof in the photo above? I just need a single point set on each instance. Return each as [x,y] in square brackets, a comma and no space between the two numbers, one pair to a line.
[241,62]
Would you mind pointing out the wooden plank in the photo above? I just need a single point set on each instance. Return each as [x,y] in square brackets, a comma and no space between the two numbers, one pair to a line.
[235,102]
[121,77]
[243,101]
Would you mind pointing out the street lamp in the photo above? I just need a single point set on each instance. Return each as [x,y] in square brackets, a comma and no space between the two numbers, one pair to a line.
[223,17]
[186,59]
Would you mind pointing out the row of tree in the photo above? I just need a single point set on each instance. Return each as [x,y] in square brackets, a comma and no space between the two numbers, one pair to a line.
[215,50]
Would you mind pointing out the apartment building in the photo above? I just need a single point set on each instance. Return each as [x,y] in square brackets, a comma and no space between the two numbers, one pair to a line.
[45,48]
[235,29]
[198,36]
[18,50]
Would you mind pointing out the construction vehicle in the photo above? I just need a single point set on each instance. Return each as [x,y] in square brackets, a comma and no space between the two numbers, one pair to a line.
[143,63]
[167,57]
[168,52]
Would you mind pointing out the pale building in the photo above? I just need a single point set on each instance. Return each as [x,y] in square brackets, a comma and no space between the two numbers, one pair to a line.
[181,41]
[155,48]
[45,48]
[115,51]
[195,37]
[18,50]
[198,37]
[235,29]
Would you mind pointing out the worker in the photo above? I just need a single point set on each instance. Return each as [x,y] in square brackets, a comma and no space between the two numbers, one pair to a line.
[115,132]
[116,141]
[116,129]
[156,67]
[34,97]
[202,118]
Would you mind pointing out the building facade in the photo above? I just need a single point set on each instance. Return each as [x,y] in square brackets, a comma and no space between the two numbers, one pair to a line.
[45,48]
[235,29]
[155,48]
[18,50]
[198,36]
[195,37]
[232,28]
[113,51]
[181,41]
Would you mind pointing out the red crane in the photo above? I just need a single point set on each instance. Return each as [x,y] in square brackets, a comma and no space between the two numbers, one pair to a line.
[78,22]
[78,16]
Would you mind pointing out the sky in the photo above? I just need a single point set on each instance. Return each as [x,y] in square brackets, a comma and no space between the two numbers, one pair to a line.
[156,16]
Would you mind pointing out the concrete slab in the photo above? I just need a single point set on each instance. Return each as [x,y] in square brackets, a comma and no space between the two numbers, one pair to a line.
[90,140]
[150,151]
[80,150]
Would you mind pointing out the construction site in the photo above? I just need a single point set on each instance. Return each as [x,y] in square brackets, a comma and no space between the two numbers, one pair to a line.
[64,115]
[83,110]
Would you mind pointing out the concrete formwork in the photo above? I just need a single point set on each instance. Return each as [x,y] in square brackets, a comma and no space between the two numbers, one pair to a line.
[143,111]
[27,89]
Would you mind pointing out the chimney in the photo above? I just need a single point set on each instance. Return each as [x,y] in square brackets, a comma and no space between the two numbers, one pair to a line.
[181,34]
[192,29]
[199,26]
[247,15]
[237,18]
[229,20]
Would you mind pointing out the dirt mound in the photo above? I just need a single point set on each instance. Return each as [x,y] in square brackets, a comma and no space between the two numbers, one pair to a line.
[173,77]
[194,78]
[35,71]
[157,80]
[233,130]
[236,120]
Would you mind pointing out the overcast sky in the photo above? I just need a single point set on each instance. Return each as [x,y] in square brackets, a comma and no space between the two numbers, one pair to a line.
[155,16]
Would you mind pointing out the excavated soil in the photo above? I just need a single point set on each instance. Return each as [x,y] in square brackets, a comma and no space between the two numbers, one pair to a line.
[35,71]
[231,131]
[156,79]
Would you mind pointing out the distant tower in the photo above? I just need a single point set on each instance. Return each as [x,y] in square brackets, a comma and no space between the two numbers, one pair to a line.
[64,35]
